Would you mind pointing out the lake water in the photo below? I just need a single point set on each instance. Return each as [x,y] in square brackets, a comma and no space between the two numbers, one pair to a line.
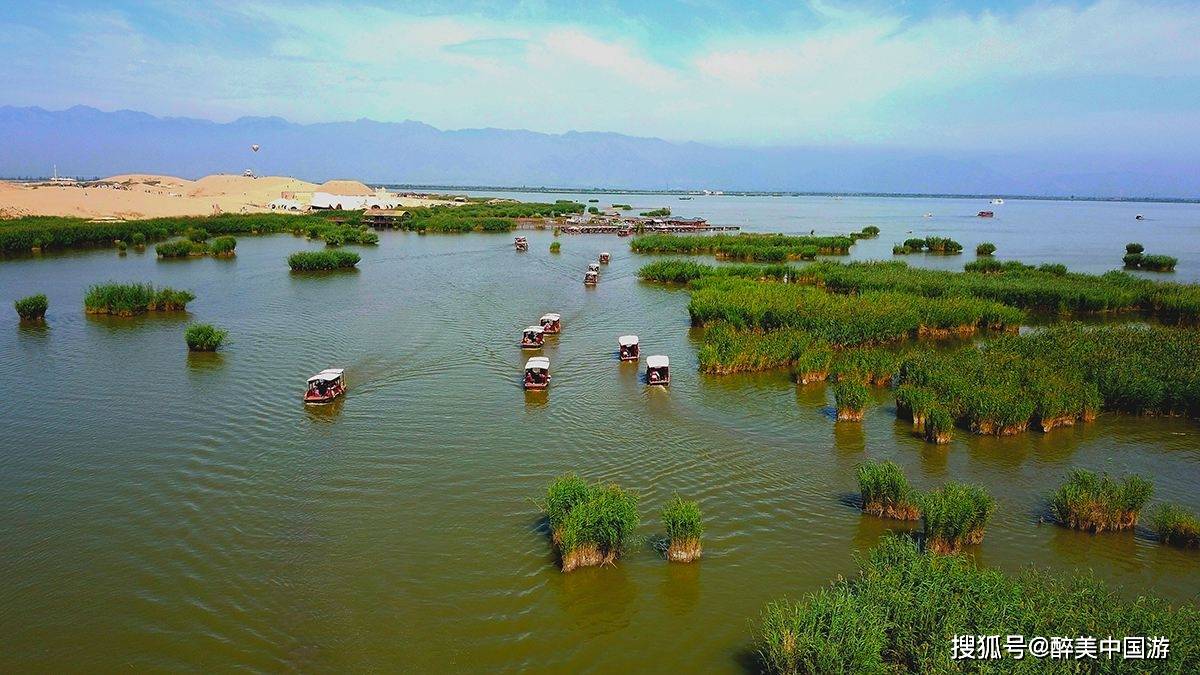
[172,511]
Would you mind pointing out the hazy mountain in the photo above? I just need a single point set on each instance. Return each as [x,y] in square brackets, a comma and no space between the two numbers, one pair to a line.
[83,141]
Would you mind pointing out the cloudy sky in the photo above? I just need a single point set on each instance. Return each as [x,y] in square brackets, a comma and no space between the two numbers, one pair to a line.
[1113,75]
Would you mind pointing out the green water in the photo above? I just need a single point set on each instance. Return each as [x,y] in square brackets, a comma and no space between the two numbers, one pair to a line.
[167,511]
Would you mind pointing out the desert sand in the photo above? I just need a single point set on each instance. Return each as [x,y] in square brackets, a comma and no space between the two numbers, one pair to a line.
[131,196]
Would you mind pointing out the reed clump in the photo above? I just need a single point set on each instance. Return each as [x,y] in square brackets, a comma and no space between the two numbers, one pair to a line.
[657,213]
[1176,525]
[870,232]
[483,217]
[1096,502]
[203,337]
[985,248]
[886,493]
[222,246]
[954,516]
[590,524]
[897,613]
[622,207]
[181,248]
[942,245]
[130,299]
[726,349]
[555,246]
[851,398]
[681,519]
[32,307]
[329,259]
[773,248]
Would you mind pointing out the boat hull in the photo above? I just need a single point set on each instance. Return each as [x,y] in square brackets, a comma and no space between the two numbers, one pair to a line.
[316,399]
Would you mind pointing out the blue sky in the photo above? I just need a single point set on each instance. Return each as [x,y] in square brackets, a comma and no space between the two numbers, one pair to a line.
[1110,76]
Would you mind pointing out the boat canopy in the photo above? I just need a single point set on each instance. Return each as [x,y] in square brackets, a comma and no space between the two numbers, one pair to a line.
[551,316]
[534,329]
[327,375]
[538,362]
[594,267]
[628,340]
[519,239]
[658,361]
[604,253]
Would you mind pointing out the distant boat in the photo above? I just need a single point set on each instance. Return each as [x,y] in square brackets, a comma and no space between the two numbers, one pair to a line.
[997,200]
[986,214]
[928,214]
[1139,217]
[684,199]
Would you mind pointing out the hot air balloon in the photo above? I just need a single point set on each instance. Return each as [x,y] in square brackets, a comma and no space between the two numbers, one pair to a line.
[254,147]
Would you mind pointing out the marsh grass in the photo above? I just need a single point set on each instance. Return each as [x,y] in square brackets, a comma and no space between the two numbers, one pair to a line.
[985,248]
[954,516]
[180,248]
[222,246]
[203,337]
[938,425]
[1095,502]
[898,613]
[1176,525]
[851,398]
[771,248]
[130,299]
[886,493]
[681,519]
[32,307]
[555,246]
[328,259]
[590,524]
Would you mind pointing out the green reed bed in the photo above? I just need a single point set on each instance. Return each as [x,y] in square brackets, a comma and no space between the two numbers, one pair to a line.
[681,519]
[130,299]
[1096,502]
[319,261]
[898,614]
[1152,263]
[685,271]
[913,403]
[590,524]
[181,248]
[482,217]
[203,337]
[985,248]
[851,398]
[622,207]
[555,246]
[954,516]
[813,363]
[657,213]
[726,349]
[1176,526]
[748,247]
[32,307]
[222,246]
[938,425]
[886,493]
[868,365]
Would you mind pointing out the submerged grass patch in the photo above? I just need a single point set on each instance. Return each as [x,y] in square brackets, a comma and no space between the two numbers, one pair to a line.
[1095,502]
[32,307]
[886,493]
[203,337]
[681,519]
[329,259]
[954,516]
[130,299]
[898,613]
[590,524]
[1176,525]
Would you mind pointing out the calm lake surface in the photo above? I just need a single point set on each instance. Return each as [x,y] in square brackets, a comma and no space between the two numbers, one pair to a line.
[171,511]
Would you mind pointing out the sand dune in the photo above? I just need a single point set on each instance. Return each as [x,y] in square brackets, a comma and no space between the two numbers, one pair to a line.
[130,196]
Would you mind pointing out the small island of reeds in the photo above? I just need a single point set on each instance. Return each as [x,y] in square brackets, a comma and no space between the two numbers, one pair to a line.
[850,398]
[32,308]
[203,337]
[1176,525]
[590,524]
[897,615]
[319,261]
[681,518]
[1096,502]
[129,299]
[745,246]
[886,493]
[954,516]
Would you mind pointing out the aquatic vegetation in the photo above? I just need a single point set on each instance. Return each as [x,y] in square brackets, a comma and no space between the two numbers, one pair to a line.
[914,244]
[593,209]
[590,524]
[1095,502]
[942,245]
[203,337]
[622,207]
[1158,263]
[657,213]
[870,232]
[886,493]
[222,246]
[954,516]
[868,365]
[745,246]
[1132,260]
[1176,525]
[726,349]
[938,425]
[196,234]
[138,239]
[122,246]
[32,307]
[555,246]
[483,217]
[1134,248]
[851,398]
[329,259]
[180,248]
[684,271]
[130,299]
[985,248]
[812,364]
[901,250]
[914,403]
[681,519]
[897,613]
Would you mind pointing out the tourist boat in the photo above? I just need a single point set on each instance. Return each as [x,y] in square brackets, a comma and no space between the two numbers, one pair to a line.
[688,199]
[551,323]
[594,267]
[537,373]
[625,231]
[928,214]
[658,370]
[605,257]
[521,244]
[997,201]
[325,386]
[986,214]
[590,278]
[629,347]
[533,338]
[1139,217]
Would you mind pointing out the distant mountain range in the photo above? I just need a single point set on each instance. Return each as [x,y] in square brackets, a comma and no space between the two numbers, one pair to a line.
[84,141]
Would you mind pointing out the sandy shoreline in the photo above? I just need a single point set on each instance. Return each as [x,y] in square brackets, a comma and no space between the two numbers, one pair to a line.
[133,196]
